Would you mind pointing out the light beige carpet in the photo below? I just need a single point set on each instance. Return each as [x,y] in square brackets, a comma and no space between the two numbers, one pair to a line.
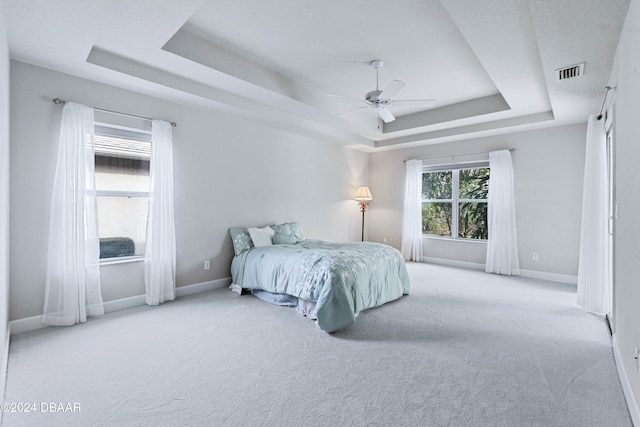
[465,348]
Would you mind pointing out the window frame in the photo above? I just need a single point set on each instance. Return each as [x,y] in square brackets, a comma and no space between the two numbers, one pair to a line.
[455,200]
[124,132]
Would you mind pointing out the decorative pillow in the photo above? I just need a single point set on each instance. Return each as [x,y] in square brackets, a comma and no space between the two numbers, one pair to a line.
[296,230]
[241,239]
[261,236]
[283,234]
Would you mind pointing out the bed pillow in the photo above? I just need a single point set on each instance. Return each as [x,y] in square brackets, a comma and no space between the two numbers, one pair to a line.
[261,236]
[296,230]
[241,239]
[283,235]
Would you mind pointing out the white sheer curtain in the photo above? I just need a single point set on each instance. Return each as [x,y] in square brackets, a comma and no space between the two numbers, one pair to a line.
[412,213]
[72,288]
[593,266]
[160,248]
[502,249]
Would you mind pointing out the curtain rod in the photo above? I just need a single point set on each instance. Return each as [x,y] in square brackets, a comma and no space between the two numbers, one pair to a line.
[453,156]
[604,99]
[59,101]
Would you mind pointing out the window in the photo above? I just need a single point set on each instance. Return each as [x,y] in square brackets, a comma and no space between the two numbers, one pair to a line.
[122,159]
[454,202]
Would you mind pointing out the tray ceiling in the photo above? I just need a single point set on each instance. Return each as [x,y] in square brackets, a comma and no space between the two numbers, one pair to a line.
[491,66]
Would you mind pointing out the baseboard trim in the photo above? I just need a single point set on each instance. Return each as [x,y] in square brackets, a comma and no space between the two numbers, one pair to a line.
[123,303]
[529,274]
[26,324]
[632,405]
[5,364]
[183,291]
[453,263]
[551,277]
[33,323]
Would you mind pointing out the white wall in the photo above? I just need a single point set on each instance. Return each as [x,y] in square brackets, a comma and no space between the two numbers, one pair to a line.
[627,195]
[227,172]
[4,198]
[548,170]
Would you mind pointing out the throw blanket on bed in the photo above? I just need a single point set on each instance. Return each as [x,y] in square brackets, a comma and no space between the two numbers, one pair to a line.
[342,278]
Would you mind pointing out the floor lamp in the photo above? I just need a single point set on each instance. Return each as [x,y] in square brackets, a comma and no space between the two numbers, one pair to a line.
[363,195]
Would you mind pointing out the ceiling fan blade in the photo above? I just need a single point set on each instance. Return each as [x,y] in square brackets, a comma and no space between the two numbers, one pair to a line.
[353,111]
[392,88]
[416,103]
[348,99]
[386,115]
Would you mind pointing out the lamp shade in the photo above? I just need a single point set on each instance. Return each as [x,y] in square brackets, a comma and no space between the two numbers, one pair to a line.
[363,193]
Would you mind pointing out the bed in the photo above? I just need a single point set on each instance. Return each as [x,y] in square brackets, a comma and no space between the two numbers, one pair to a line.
[329,282]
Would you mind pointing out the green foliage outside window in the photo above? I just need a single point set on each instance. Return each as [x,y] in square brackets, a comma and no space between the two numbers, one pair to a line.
[437,185]
[473,221]
[436,219]
[474,183]
[471,215]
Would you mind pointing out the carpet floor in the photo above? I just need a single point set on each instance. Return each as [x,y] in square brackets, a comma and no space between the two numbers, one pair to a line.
[465,348]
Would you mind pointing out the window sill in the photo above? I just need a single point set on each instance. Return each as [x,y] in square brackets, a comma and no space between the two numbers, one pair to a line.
[450,239]
[121,260]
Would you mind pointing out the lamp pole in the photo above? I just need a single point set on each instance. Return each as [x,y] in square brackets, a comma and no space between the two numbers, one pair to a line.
[363,207]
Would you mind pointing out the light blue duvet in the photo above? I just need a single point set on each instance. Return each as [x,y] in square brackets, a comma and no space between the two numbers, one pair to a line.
[342,278]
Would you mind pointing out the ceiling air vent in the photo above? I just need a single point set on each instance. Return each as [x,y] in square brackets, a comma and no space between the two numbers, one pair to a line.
[570,72]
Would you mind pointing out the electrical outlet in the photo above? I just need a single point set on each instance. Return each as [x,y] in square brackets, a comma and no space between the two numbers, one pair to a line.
[384,240]
[207,265]
[535,256]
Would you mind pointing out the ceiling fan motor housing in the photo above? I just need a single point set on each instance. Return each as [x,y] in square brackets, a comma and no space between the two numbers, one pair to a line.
[373,96]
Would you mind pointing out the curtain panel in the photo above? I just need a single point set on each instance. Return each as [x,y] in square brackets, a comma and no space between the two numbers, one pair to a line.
[593,267]
[502,248]
[412,212]
[160,248]
[72,287]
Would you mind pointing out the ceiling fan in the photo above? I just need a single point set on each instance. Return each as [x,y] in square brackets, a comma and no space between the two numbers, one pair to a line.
[380,100]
